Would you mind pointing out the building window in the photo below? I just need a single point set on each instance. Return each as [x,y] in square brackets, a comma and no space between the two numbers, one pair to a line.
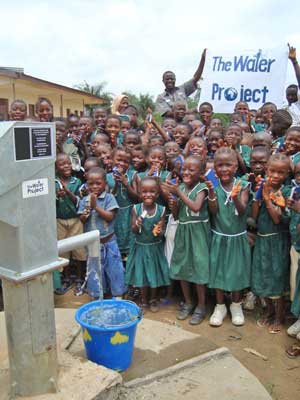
[81,113]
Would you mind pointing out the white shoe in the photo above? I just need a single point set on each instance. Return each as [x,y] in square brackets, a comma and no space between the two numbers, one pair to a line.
[218,315]
[294,329]
[237,316]
[249,301]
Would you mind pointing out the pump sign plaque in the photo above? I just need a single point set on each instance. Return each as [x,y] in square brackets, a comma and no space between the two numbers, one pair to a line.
[33,143]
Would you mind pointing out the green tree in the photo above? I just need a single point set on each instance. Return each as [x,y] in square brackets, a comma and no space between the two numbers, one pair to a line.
[96,90]
[142,102]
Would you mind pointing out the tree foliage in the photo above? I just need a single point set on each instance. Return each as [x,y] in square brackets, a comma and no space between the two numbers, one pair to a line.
[142,102]
[97,90]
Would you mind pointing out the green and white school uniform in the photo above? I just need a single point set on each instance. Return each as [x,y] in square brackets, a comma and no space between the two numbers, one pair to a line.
[270,265]
[230,257]
[295,158]
[146,264]
[123,219]
[190,259]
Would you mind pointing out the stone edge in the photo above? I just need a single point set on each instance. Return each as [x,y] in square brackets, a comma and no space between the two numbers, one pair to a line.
[211,355]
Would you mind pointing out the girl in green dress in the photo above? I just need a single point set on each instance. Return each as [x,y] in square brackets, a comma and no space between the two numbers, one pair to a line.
[230,259]
[190,258]
[270,263]
[147,265]
[120,185]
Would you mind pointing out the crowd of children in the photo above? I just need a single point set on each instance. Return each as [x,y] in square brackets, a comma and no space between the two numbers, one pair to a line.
[187,200]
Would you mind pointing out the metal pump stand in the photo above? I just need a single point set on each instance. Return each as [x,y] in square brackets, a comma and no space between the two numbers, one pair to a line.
[29,253]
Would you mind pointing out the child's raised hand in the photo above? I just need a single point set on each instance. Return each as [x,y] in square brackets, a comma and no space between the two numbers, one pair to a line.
[251,178]
[170,187]
[139,222]
[258,181]
[93,200]
[267,190]
[278,199]
[61,193]
[154,169]
[210,187]
[86,212]
[157,229]
[236,190]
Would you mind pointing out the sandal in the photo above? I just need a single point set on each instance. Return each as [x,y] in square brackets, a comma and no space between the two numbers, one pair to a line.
[66,286]
[78,291]
[293,351]
[264,322]
[154,306]
[275,328]
[166,302]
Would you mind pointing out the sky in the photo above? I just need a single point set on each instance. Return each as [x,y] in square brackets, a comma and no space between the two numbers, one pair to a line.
[130,43]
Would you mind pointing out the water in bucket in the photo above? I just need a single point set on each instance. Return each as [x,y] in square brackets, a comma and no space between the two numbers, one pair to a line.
[108,315]
[109,328]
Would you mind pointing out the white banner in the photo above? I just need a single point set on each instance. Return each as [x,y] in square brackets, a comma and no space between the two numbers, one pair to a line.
[252,76]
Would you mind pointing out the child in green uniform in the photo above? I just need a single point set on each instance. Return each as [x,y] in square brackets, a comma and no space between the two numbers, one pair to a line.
[258,164]
[68,223]
[156,161]
[230,258]
[233,138]
[294,205]
[147,265]
[292,145]
[190,258]
[271,252]
[120,185]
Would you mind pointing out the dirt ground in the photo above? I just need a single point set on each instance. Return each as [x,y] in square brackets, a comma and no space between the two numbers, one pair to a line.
[279,374]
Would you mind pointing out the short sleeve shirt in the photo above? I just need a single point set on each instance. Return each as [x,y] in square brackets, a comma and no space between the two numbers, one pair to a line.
[65,208]
[166,100]
[106,201]
[294,111]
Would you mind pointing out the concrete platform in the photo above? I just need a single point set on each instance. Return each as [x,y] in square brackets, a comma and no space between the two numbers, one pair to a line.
[216,375]
[157,346]
[168,358]
[78,378]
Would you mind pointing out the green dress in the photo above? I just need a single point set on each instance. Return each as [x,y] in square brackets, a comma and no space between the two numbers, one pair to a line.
[295,158]
[123,219]
[190,259]
[147,264]
[270,265]
[230,257]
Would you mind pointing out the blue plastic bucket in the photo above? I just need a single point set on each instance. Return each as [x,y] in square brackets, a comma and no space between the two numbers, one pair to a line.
[110,344]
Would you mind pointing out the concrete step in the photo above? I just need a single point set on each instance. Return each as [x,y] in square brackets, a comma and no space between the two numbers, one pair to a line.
[214,375]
